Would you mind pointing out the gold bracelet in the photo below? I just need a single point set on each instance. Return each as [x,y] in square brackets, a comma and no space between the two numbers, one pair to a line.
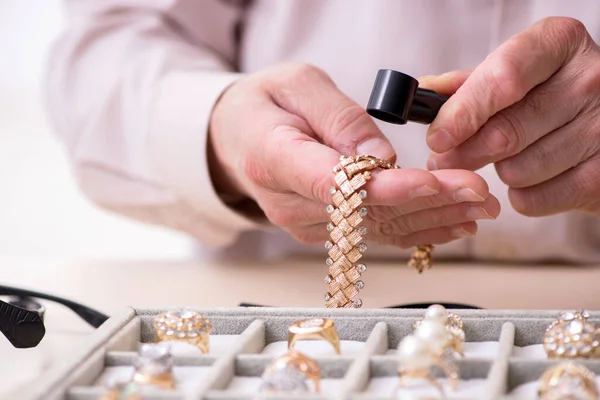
[346,246]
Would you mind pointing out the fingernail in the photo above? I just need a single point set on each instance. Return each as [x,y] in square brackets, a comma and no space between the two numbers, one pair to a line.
[440,141]
[475,213]
[432,164]
[376,147]
[466,194]
[461,232]
[422,191]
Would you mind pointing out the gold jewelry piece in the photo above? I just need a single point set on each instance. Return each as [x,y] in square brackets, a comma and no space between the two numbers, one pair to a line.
[184,325]
[419,353]
[154,366]
[568,381]
[346,246]
[572,336]
[453,323]
[314,328]
[123,391]
[289,373]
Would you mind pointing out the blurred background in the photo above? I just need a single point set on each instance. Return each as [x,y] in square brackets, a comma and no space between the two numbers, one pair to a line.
[42,214]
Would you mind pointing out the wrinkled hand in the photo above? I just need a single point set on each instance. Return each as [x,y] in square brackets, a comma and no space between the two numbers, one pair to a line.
[532,108]
[276,136]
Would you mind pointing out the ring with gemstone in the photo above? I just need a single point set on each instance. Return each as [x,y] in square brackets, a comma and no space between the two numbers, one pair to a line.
[123,391]
[290,373]
[314,328]
[572,336]
[453,323]
[154,366]
[184,325]
[568,380]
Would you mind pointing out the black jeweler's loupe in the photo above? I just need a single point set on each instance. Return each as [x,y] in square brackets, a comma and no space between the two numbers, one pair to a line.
[396,98]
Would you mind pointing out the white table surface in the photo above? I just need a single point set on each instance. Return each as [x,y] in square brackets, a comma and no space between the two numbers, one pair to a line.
[111,285]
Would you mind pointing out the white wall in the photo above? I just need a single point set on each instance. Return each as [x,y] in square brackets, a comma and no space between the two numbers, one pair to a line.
[42,213]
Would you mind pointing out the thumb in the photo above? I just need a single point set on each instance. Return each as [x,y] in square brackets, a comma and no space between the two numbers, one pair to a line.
[335,119]
[446,84]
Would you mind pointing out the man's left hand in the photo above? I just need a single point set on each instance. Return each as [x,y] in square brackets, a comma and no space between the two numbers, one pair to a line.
[532,108]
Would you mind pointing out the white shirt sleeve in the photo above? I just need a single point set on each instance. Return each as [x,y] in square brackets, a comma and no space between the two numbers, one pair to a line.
[131,87]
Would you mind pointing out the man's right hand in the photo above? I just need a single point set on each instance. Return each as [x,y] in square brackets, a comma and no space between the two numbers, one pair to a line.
[276,135]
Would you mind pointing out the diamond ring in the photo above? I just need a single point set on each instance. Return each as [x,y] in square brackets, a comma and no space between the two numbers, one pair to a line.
[314,328]
[572,336]
[184,325]
[289,373]
[154,366]
[568,381]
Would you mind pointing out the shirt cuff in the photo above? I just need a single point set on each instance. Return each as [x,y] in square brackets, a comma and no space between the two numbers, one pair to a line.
[178,136]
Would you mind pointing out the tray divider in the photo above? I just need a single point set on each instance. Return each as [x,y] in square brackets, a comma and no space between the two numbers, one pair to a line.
[498,375]
[358,375]
[252,340]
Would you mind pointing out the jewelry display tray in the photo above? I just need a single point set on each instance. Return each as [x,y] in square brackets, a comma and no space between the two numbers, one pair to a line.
[348,376]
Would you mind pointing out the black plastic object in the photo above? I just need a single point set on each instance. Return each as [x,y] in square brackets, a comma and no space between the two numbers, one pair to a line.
[89,315]
[396,98]
[23,328]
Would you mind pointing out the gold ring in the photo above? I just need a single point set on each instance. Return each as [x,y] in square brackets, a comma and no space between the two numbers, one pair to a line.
[346,246]
[184,325]
[289,373]
[314,328]
[154,366]
[568,381]
[418,355]
[123,391]
[453,323]
[572,336]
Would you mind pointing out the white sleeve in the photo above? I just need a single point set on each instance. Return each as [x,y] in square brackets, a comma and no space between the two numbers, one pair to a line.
[131,87]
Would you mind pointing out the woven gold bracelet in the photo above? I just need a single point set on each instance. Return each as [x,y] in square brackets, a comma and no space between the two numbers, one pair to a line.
[346,246]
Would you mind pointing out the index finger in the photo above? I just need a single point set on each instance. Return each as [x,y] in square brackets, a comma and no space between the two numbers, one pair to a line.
[504,78]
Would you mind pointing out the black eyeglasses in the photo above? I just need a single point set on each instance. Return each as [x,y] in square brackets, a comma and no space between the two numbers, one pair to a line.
[22,317]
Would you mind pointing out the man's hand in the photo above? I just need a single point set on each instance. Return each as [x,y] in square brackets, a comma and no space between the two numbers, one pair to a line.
[532,108]
[276,135]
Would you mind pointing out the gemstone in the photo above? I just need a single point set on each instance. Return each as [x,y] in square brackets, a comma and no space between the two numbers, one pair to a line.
[361,268]
[575,326]
[359,284]
[586,349]
[154,359]
[327,297]
[329,261]
[170,332]
[328,245]
[560,350]
[286,379]
[363,194]
[363,211]
[329,209]
[192,334]
[362,247]
[312,323]
[332,190]
[362,230]
[181,334]
[328,279]
[357,303]
[330,227]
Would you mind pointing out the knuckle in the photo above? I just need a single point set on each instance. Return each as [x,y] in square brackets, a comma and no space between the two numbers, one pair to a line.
[279,217]
[379,214]
[298,74]
[384,229]
[404,225]
[505,135]
[571,29]
[523,202]
[349,116]
[256,173]
[506,78]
